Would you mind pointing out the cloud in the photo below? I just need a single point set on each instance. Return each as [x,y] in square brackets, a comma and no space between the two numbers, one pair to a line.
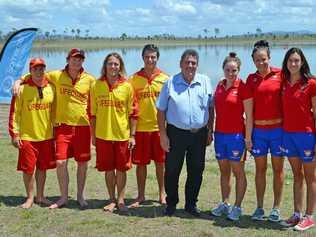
[179,17]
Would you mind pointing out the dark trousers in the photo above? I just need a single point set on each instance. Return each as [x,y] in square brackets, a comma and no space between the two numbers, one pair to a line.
[183,143]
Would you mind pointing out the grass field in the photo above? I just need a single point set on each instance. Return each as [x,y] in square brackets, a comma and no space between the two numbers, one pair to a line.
[148,220]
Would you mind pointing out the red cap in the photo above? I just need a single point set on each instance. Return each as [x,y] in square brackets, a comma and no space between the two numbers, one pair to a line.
[75,53]
[37,61]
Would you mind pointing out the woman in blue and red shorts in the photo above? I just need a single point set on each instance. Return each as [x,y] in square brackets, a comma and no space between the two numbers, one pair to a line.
[232,100]
[266,84]
[299,110]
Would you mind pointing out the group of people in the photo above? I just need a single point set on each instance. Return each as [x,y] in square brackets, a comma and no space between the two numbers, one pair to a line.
[151,116]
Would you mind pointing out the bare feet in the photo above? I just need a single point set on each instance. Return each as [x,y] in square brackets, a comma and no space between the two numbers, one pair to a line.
[42,201]
[110,207]
[137,202]
[162,199]
[122,208]
[83,203]
[28,203]
[60,203]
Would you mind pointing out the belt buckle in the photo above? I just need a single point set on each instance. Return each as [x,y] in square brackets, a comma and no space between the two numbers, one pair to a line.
[194,130]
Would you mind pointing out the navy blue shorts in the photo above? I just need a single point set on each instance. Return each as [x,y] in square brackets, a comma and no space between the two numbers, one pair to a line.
[229,146]
[267,140]
[299,144]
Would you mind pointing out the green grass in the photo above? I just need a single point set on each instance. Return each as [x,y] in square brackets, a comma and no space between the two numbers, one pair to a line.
[147,220]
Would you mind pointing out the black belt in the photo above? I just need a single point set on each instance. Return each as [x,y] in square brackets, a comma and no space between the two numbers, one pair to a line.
[192,130]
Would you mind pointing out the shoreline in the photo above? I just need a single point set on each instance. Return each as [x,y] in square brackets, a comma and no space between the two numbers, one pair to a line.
[95,44]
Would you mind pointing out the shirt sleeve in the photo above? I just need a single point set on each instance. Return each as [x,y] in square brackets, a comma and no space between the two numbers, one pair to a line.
[249,83]
[246,93]
[133,104]
[15,115]
[210,92]
[93,103]
[53,112]
[312,88]
[162,100]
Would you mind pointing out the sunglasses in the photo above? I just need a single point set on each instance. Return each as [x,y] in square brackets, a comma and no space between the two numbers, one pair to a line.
[40,92]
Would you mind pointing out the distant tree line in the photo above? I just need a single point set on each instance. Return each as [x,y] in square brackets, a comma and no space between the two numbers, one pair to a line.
[206,34]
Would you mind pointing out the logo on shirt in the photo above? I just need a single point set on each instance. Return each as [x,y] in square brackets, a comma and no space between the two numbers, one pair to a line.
[235,92]
[307,153]
[282,149]
[73,93]
[117,104]
[147,94]
[38,106]
[256,151]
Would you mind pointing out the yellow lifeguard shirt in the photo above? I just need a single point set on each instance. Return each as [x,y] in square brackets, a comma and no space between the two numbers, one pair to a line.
[112,107]
[72,97]
[147,91]
[31,118]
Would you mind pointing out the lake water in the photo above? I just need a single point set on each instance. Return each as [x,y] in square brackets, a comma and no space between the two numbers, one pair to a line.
[210,63]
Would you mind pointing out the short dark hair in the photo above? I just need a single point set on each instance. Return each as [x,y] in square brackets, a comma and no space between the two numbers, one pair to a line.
[189,52]
[151,47]
[304,70]
[261,45]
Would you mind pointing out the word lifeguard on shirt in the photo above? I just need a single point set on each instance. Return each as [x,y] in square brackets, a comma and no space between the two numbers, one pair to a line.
[147,94]
[70,91]
[38,106]
[119,104]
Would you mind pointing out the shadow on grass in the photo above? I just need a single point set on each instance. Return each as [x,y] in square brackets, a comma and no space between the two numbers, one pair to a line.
[246,223]
[15,201]
[12,201]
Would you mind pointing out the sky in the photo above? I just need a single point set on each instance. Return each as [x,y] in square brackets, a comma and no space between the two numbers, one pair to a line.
[112,18]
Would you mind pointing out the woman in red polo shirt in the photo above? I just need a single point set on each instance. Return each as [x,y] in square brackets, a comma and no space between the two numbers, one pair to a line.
[299,109]
[266,84]
[232,100]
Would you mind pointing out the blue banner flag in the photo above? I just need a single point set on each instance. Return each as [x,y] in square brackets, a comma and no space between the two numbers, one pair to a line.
[12,60]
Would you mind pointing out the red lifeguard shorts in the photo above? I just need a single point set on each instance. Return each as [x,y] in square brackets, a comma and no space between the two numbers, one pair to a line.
[73,141]
[39,155]
[147,148]
[112,155]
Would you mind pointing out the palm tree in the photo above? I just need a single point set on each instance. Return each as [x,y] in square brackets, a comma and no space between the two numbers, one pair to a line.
[258,31]
[54,32]
[78,33]
[73,31]
[205,32]
[47,33]
[87,33]
[123,36]
[216,30]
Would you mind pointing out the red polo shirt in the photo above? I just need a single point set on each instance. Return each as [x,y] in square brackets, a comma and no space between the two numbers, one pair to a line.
[229,106]
[266,95]
[297,106]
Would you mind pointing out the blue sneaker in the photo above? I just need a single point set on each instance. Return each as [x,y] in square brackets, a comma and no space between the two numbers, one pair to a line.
[235,214]
[222,208]
[274,215]
[258,215]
